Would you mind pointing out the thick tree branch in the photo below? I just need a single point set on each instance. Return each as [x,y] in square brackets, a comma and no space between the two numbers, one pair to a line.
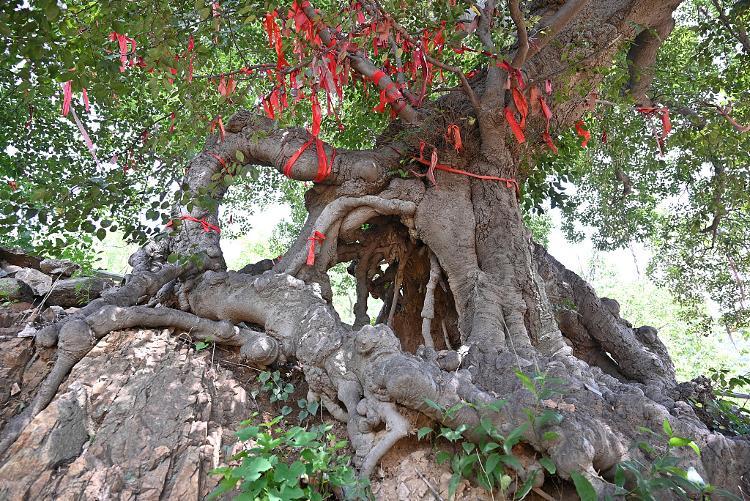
[362,65]
[549,28]
[523,37]
[641,58]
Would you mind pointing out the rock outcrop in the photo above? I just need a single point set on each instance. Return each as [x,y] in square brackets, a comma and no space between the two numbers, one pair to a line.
[143,418]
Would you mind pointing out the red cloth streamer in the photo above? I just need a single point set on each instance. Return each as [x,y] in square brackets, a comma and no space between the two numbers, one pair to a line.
[86,100]
[221,161]
[324,165]
[453,136]
[317,115]
[67,96]
[206,225]
[513,72]
[190,47]
[547,116]
[514,125]
[389,95]
[581,131]
[604,136]
[217,122]
[666,124]
[172,118]
[433,165]
[521,105]
[122,42]
[86,138]
[316,237]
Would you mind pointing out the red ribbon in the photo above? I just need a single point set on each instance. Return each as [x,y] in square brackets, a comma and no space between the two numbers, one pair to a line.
[453,136]
[86,105]
[581,131]
[433,165]
[514,72]
[547,116]
[205,224]
[67,97]
[122,42]
[521,105]
[666,124]
[514,125]
[316,237]
[389,95]
[218,122]
[221,161]
[324,165]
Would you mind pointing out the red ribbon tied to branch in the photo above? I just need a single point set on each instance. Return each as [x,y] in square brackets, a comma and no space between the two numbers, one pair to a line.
[67,88]
[123,41]
[547,117]
[581,131]
[433,165]
[205,224]
[316,237]
[510,117]
[324,165]
[666,124]
[453,136]
[512,72]
[221,161]
[390,95]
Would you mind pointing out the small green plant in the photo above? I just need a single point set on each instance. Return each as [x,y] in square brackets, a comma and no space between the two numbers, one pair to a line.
[202,345]
[653,480]
[729,416]
[307,409]
[317,468]
[277,387]
[489,459]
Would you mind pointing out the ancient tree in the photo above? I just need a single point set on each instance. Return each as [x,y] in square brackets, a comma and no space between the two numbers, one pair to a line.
[429,219]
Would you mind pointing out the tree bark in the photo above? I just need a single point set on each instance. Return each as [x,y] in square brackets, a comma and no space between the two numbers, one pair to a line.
[503,304]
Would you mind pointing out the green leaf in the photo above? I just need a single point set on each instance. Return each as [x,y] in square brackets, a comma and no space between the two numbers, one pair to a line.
[550,436]
[423,432]
[442,457]
[548,465]
[505,481]
[514,437]
[526,382]
[679,441]
[252,468]
[240,156]
[512,461]
[584,488]
[453,485]
[491,462]
[526,486]
[667,427]
[619,476]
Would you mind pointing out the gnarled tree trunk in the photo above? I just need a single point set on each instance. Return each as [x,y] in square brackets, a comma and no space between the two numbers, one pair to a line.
[468,298]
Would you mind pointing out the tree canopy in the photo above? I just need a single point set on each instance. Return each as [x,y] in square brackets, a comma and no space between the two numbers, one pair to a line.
[150,80]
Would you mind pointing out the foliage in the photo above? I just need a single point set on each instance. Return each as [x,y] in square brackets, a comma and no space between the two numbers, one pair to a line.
[695,349]
[635,479]
[690,204]
[277,387]
[295,463]
[318,468]
[729,415]
[488,458]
